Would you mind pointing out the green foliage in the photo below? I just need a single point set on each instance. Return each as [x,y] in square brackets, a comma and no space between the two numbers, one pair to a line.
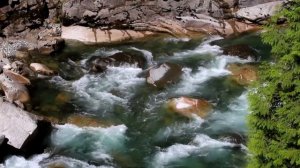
[274,120]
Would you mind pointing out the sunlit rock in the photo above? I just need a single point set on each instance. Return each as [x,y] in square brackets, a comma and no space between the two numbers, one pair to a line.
[243,74]
[23,131]
[92,35]
[14,91]
[41,69]
[188,106]
[164,74]
[17,77]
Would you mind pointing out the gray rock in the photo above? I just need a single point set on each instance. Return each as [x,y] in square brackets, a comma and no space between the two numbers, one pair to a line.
[249,3]
[16,125]
[164,74]
[258,12]
[24,133]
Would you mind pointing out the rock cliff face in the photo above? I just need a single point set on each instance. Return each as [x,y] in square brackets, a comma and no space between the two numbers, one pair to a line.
[28,18]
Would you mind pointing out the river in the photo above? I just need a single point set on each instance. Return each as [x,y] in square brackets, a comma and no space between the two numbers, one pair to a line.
[138,131]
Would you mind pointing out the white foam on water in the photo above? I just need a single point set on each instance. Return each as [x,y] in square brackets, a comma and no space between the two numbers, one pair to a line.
[176,40]
[94,142]
[200,144]
[203,48]
[234,118]
[21,162]
[100,91]
[44,160]
[179,129]
[69,162]
[105,52]
[147,54]
[216,68]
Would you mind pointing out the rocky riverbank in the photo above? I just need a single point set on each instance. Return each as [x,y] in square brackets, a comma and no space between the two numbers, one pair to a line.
[45,23]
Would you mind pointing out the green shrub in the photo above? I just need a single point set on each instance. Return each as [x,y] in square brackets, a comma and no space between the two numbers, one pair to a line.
[274,119]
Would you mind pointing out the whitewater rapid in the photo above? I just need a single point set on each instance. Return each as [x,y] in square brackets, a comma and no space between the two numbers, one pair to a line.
[123,89]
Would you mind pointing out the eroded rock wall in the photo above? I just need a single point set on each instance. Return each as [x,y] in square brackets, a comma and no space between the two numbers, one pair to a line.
[27,18]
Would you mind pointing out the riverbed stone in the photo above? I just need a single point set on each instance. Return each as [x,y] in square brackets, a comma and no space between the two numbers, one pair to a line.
[164,74]
[100,64]
[41,69]
[243,74]
[86,121]
[241,50]
[187,106]
[70,71]
[62,98]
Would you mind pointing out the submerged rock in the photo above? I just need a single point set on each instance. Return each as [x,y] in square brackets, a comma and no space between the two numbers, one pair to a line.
[24,133]
[164,74]
[41,69]
[100,64]
[69,71]
[85,121]
[188,106]
[235,138]
[243,51]
[243,74]
[62,98]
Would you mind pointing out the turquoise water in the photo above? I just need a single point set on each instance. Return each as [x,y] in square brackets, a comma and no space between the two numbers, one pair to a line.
[142,133]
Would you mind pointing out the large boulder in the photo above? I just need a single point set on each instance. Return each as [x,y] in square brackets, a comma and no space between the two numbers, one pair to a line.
[258,12]
[188,106]
[164,74]
[100,64]
[243,74]
[241,50]
[24,133]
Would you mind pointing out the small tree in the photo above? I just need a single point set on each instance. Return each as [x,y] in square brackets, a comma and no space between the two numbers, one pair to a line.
[274,121]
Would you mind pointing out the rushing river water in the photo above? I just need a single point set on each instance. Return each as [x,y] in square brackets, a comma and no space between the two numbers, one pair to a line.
[139,131]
